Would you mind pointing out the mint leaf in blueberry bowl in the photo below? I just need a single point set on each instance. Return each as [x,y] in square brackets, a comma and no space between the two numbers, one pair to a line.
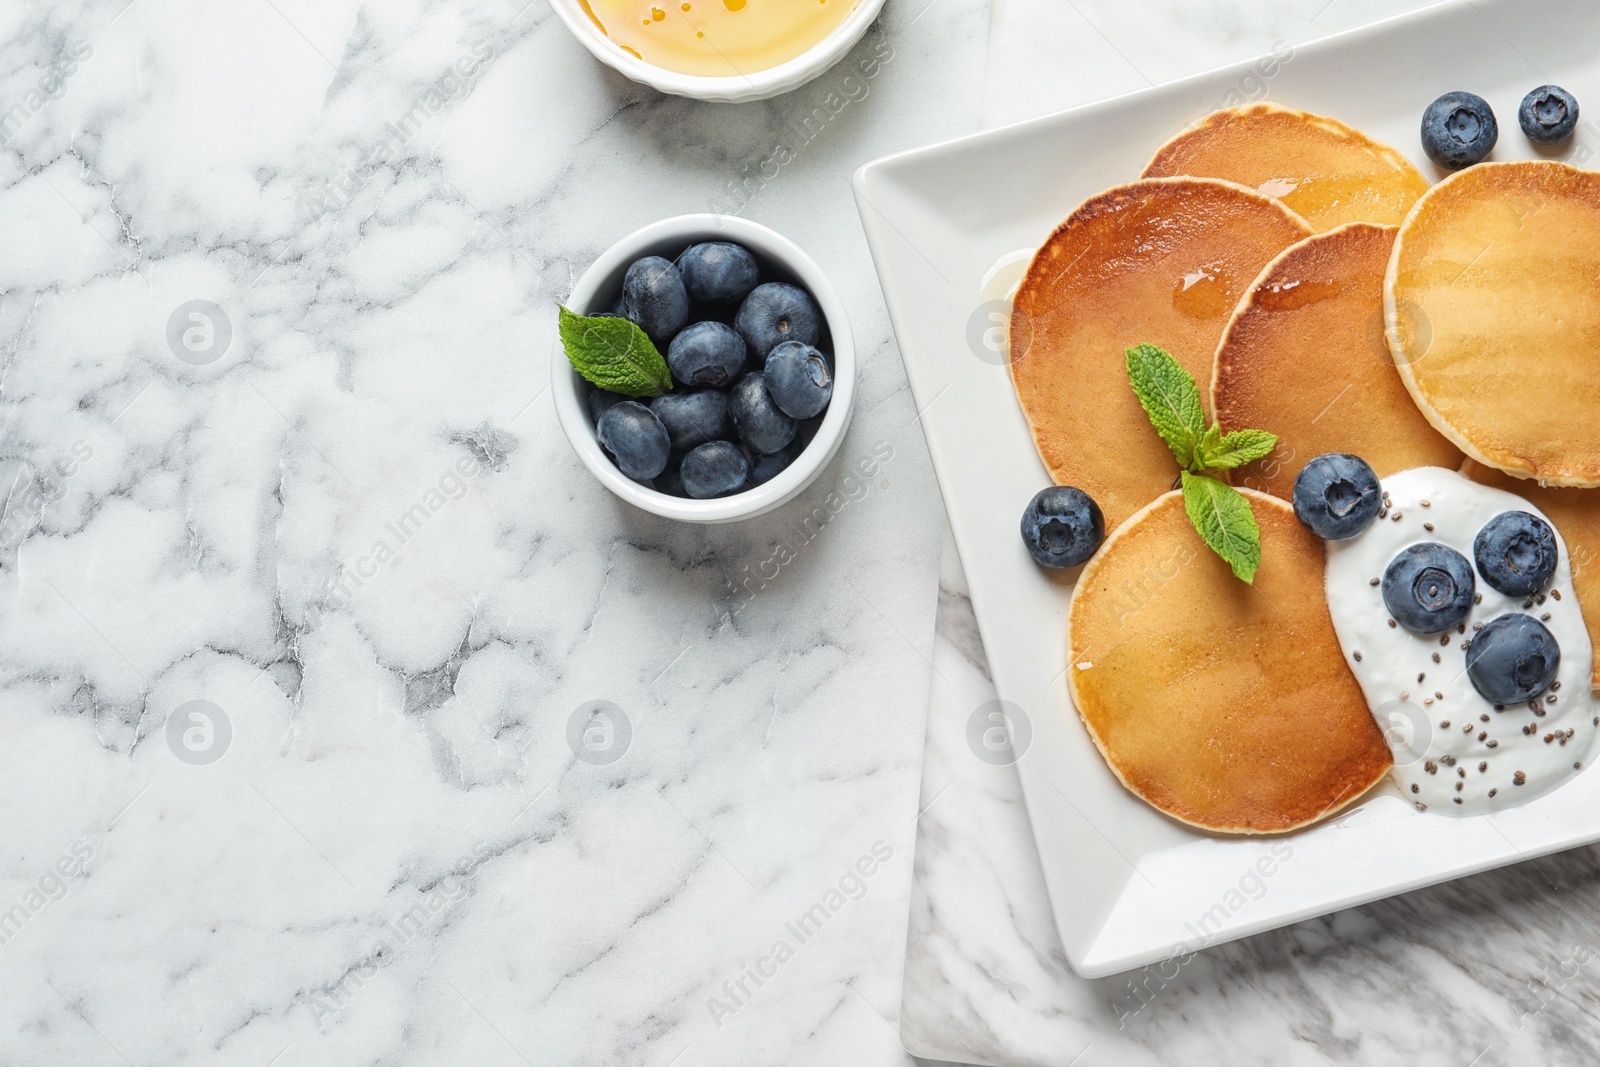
[662,390]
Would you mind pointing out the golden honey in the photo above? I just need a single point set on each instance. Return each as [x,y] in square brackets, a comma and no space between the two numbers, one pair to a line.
[718,38]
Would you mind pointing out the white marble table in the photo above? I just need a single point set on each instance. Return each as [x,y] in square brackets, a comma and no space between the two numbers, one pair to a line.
[301,587]
[1496,969]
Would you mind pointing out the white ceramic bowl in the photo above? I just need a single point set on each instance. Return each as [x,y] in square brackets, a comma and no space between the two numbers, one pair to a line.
[757,85]
[781,260]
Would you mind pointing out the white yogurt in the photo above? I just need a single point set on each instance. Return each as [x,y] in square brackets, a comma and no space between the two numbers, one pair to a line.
[1454,753]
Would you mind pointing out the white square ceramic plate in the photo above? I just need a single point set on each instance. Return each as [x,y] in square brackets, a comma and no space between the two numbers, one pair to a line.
[1128,885]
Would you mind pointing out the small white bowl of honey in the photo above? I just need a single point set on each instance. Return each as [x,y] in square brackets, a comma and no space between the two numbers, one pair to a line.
[723,50]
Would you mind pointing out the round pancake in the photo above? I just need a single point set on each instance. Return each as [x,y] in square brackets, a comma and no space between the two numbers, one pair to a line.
[1493,316]
[1322,169]
[1163,262]
[1305,358]
[1228,706]
[1576,513]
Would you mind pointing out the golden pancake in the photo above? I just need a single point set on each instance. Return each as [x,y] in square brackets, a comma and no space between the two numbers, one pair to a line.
[1576,513]
[1326,172]
[1305,358]
[1494,316]
[1163,262]
[1228,706]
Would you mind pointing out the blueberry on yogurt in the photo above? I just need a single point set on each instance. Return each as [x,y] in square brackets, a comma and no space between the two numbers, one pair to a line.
[1458,130]
[635,439]
[716,272]
[1548,115]
[799,379]
[1513,659]
[1428,587]
[653,298]
[762,425]
[1516,552]
[1336,495]
[1062,527]
[776,312]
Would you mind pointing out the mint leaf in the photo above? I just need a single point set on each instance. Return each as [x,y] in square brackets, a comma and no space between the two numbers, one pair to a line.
[1236,449]
[1170,397]
[614,354]
[1223,516]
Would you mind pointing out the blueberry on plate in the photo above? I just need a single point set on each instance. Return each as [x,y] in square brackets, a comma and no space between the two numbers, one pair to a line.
[1337,496]
[714,469]
[776,312]
[1458,130]
[762,425]
[765,468]
[1548,115]
[1514,658]
[1062,526]
[635,440]
[1516,552]
[707,353]
[1428,587]
[693,417]
[799,379]
[653,298]
[716,272]
[602,401]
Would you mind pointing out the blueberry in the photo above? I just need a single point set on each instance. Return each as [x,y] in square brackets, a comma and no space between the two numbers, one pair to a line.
[1513,659]
[774,313]
[693,416]
[1548,114]
[760,423]
[602,401]
[707,353]
[1458,130]
[799,379]
[654,299]
[1428,587]
[1062,526]
[765,468]
[633,437]
[670,481]
[1516,552]
[714,469]
[717,272]
[1337,496]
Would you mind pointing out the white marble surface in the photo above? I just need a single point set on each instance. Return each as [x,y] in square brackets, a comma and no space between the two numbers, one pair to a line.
[398,858]
[1495,969]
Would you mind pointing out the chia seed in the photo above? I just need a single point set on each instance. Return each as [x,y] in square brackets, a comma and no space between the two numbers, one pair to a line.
[1373,582]
[1556,593]
[1428,526]
[1436,657]
[1357,656]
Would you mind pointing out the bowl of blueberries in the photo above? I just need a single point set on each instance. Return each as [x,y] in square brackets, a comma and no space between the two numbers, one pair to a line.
[708,371]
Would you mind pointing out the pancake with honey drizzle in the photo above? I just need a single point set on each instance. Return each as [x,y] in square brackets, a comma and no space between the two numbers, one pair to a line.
[1326,172]
[1305,357]
[1493,316]
[1576,514]
[1228,706]
[1163,262]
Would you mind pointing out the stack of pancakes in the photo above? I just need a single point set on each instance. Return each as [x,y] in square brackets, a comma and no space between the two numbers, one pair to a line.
[1325,293]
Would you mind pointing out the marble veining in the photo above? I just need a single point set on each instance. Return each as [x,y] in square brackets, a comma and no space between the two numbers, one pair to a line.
[347,719]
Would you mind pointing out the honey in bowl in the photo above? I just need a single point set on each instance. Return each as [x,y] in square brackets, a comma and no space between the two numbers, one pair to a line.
[718,38]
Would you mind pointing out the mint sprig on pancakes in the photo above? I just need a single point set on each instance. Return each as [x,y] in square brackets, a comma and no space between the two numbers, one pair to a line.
[1219,512]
